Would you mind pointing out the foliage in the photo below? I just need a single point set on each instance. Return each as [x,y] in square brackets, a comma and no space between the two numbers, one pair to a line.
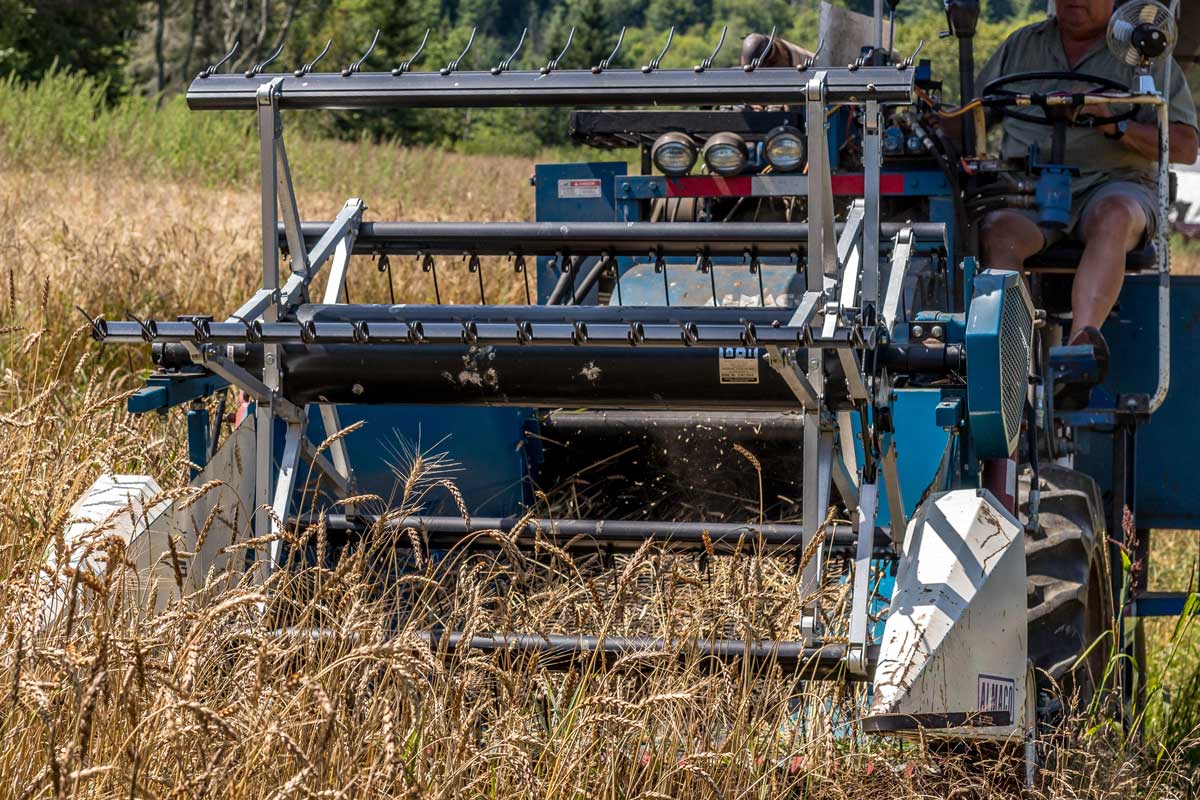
[157,46]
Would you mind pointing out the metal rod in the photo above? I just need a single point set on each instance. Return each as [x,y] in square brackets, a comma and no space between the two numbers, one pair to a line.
[717,86]
[504,65]
[405,66]
[357,65]
[453,65]
[260,66]
[589,533]
[532,376]
[561,651]
[731,239]
[657,60]
[211,69]
[307,68]
[708,62]
[552,64]
[605,63]
[758,59]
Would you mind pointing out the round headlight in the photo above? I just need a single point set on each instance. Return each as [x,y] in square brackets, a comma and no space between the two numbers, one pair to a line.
[785,149]
[674,153]
[725,153]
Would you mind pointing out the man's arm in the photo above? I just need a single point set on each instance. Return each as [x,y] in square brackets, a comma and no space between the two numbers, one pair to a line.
[1142,138]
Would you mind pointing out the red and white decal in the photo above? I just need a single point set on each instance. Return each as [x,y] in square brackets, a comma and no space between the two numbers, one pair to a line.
[773,185]
[579,187]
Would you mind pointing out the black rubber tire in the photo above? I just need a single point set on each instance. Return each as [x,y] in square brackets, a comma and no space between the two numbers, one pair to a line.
[1068,591]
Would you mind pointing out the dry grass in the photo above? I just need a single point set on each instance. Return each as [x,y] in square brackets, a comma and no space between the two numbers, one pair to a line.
[204,701]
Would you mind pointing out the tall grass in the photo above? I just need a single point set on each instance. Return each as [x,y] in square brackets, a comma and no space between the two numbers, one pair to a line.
[154,212]
[63,123]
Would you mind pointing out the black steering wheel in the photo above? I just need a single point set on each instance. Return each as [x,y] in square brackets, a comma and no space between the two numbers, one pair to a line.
[1004,100]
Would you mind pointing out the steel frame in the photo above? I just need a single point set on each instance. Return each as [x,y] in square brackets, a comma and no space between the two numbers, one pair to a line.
[837,311]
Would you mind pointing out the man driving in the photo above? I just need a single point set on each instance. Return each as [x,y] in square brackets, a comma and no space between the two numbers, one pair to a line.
[1115,197]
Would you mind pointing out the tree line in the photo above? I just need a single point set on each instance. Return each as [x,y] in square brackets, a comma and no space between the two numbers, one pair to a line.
[156,47]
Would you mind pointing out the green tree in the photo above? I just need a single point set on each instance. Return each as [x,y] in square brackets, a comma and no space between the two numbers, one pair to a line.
[683,14]
[14,19]
[90,37]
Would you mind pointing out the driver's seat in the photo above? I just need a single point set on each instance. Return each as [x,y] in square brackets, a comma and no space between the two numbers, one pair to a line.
[1063,257]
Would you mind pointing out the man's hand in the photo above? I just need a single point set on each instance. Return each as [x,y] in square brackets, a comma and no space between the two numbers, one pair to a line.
[1099,111]
[1142,137]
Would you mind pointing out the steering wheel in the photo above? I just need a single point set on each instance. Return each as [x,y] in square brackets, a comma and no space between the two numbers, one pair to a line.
[1005,100]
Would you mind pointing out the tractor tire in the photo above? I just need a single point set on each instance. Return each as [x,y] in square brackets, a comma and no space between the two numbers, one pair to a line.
[1069,595]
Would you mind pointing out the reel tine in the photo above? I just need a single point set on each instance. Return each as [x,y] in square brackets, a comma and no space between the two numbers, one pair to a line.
[808,63]
[357,65]
[99,328]
[307,68]
[708,62]
[211,69]
[757,60]
[504,65]
[147,331]
[453,65]
[260,66]
[653,65]
[605,63]
[405,66]
[519,266]
[553,63]
[908,62]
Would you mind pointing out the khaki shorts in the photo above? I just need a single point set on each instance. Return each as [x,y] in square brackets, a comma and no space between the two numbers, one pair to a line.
[1146,197]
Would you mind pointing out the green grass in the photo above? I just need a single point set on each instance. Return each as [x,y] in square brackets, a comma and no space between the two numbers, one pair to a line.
[64,122]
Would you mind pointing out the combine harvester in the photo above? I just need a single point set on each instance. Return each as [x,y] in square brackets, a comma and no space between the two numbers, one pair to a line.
[812,293]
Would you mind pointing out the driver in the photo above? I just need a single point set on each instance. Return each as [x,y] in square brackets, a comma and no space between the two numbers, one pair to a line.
[1115,196]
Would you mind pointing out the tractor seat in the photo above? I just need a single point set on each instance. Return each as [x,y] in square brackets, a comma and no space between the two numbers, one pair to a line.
[1064,256]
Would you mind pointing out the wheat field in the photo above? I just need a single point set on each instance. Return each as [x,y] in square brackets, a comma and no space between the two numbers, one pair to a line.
[204,700]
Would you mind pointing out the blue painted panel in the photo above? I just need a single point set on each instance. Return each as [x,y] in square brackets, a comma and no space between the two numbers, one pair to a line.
[1167,445]
[487,443]
[919,442]
[573,193]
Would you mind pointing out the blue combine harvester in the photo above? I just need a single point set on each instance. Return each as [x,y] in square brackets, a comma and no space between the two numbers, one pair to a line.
[810,293]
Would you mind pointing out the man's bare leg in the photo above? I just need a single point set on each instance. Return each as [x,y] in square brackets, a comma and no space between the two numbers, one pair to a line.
[1111,227]
[1008,238]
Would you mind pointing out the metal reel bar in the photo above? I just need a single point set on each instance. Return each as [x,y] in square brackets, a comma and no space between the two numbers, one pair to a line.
[482,89]
[592,534]
[763,239]
[563,652]
[521,332]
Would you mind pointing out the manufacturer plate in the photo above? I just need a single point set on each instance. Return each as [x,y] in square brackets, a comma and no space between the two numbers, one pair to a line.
[739,364]
[579,187]
[998,694]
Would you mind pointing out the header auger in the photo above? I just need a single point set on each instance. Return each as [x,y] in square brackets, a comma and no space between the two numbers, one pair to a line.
[844,330]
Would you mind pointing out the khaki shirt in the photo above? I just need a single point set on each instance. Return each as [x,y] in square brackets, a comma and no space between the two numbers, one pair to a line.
[1038,48]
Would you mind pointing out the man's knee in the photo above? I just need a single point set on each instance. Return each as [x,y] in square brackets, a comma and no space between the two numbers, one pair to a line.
[1008,238]
[1116,216]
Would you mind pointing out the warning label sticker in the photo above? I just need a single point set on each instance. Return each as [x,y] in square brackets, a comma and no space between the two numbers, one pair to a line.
[739,364]
[998,694]
[579,187]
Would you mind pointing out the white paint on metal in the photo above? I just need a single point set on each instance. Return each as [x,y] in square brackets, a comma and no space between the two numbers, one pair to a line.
[202,527]
[957,621]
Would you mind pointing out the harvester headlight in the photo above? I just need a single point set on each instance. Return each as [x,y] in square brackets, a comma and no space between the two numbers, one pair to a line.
[674,153]
[725,153]
[785,149]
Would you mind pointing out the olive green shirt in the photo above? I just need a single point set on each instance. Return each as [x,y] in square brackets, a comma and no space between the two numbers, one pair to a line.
[1038,48]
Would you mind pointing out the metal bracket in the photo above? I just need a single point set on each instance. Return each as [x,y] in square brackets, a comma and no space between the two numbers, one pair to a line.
[901,258]
[856,657]
[891,482]
[783,360]
[822,252]
[872,170]
[338,237]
